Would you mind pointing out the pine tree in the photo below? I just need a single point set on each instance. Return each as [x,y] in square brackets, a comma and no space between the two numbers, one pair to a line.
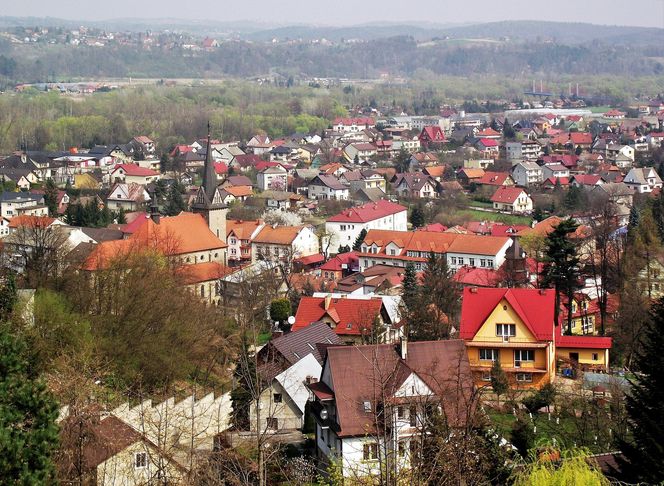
[645,404]
[29,434]
[410,287]
[561,266]
[417,217]
[358,241]
[499,382]
[51,197]
[174,202]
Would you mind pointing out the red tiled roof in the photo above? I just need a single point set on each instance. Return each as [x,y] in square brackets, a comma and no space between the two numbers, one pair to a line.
[506,195]
[310,259]
[350,316]
[587,179]
[135,170]
[336,264]
[367,212]
[488,132]
[220,168]
[489,142]
[583,138]
[534,307]
[433,133]
[564,181]
[479,277]
[493,178]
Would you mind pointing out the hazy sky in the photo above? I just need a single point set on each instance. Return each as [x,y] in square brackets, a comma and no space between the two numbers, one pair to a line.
[649,13]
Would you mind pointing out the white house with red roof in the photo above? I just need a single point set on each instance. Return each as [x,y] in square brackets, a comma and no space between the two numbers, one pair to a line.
[129,173]
[512,199]
[345,227]
[352,125]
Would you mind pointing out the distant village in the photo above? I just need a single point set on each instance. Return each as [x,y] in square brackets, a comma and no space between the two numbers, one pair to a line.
[347,219]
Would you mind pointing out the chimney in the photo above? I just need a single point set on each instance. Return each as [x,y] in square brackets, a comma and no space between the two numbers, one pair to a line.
[403,347]
[328,301]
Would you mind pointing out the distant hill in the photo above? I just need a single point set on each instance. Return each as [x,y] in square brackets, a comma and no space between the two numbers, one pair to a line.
[521,30]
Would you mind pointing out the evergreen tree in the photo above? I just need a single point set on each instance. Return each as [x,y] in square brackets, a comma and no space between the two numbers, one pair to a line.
[8,296]
[174,203]
[499,382]
[357,246]
[29,434]
[120,216]
[645,404]
[402,161]
[522,436]
[417,217]
[538,215]
[51,197]
[561,266]
[410,287]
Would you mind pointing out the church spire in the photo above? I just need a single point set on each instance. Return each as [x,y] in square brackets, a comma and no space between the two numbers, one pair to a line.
[209,174]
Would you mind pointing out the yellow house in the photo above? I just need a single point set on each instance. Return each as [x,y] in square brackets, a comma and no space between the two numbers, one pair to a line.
[516,328]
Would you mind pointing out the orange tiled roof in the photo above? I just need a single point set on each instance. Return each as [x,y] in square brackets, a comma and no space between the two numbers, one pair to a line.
[203,272]
[281,235]
[31,221]
[242,229]
[239,191]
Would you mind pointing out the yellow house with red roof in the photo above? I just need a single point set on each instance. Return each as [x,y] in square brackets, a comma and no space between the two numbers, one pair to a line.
[516,327]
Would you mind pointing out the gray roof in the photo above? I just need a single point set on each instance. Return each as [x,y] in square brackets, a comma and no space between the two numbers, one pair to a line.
[296,345]
[8,196]
[328,181]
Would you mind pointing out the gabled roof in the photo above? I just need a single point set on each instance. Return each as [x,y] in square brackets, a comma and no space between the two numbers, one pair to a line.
[359,374]
[278,235]
[586,179]
[533,306]
[135,170]
[351,316]
[31,221]
[242,229]
[342,261]
[297,344]
[493,178]
[507,195]
[367,212]
[239,191]
[488,142]
[327,181]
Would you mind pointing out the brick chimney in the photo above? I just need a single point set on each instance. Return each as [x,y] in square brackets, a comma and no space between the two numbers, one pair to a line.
[328,301]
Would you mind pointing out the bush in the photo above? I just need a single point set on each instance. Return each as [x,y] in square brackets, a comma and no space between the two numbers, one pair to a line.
[522,436]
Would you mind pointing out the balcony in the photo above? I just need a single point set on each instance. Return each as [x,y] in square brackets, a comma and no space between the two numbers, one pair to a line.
[509,366]
[506,342]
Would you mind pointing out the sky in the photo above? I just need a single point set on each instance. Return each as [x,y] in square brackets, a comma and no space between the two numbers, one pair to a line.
[646,13]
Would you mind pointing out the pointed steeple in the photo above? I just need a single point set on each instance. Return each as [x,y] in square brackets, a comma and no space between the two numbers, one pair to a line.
[209,174]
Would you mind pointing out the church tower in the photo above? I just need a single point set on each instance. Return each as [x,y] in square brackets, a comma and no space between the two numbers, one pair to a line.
[208,200]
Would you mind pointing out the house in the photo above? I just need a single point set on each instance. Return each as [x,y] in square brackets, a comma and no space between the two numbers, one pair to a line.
[128,197]
[620,154]
[22,203]
[586,180]
[363,179]
[132,173]
[619,195]
[399,384]
[344,228]
[239,235]
[273,178]
[467,176]
[352,125]
[340,266]
[327,187]
[245,162]
[354,152]
[144,144]
[655,139]
[642,180]
[582,140]
[259,144]
[379,279]
[416,185]
[495,179]
[516,327]
[355,320]
[614,115]
[431,137]
[527,174]
[22,178]
[512,199]
[113,452]
[235,193]
[285,365]
[525,150]
[488,145]
[555,171]
[489,133]
[399,248]
[477,164]
[282,244]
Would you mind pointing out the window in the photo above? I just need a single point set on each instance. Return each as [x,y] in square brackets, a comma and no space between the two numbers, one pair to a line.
[595,357]
[401,412]
[202,290]
[486,376]
[460,260]
[393,251]
[524,377]
[524,355]
[505,329]
[140,460]
[272,423]
[483,262]
[367,406]
[454,260]
[343,227]
[276,398]
[489,354]
[370,451]
[472,262]
[412,414]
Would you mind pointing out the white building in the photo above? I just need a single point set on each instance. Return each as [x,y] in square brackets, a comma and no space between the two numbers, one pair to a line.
[273,178]
[642,180]
[345,227]
[526,174]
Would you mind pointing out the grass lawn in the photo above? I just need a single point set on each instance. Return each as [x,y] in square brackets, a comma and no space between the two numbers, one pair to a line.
[565,432]
[598,109]
[480,204]
[474,215]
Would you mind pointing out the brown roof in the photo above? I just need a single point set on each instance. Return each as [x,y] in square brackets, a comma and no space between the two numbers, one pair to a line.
[361,373]
[242,229]
[280,235]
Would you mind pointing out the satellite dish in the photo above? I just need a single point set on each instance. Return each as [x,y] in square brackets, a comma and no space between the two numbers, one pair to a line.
[323,414]
[291,320]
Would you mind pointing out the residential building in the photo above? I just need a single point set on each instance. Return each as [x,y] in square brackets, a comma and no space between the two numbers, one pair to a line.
[22,203]
[527,174]
[352,125]
[398,248]
[401,383]
[132,173]
[525,150]
[239,235]
[363,179]
[128,197]
[516,327]
[359,151]
[642,180]
[344,228]
[512,199]
[432,137]
[417,186]
[355,320]
[495,179]
[283,244]
[285,365]
[273,178]
[555,171]
[327,187]
[478,163]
